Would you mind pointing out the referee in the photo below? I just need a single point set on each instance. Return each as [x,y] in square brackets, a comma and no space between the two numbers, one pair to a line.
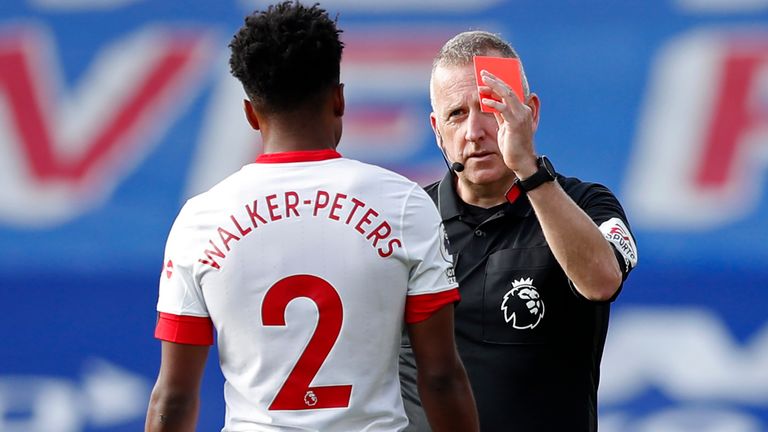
[539,257]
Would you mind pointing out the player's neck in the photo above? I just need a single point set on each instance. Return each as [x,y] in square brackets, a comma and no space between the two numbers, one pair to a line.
[284,135]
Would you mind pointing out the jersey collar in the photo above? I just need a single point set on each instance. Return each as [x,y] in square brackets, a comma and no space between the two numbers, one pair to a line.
[298,156]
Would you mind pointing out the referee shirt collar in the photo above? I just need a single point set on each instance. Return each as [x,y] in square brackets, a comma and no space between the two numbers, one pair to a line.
[451,206]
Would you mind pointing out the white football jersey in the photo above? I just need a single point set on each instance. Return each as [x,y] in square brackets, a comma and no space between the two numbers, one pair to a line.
[306,264]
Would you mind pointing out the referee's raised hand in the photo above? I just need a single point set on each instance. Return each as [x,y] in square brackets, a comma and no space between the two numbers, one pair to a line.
[517,123]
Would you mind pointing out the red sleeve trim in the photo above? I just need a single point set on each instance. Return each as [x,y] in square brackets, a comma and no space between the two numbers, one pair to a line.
[420,307]
[184,329]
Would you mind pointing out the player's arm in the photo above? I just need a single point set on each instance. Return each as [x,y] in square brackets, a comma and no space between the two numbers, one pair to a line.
[442,381]
[175,398]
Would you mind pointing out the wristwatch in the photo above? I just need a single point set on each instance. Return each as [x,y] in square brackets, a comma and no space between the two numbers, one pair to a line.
[545,173]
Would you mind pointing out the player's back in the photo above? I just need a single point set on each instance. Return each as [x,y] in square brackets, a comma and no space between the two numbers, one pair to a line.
[304,268]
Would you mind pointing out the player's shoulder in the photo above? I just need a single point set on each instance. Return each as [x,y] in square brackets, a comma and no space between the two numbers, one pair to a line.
[388,184]
[214,197]
[229,185]
[378,173]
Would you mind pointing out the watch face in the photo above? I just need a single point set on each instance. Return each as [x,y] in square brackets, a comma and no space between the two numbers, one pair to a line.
[548,166]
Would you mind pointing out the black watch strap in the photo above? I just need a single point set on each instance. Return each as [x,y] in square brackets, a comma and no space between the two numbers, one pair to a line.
[545,173]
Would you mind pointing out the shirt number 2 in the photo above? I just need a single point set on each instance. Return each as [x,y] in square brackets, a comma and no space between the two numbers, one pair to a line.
[296,393]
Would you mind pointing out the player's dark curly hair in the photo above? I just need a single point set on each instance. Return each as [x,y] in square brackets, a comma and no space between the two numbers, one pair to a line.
[287,55]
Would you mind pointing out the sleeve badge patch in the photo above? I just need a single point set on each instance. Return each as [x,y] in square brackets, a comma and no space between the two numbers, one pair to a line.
[616,232]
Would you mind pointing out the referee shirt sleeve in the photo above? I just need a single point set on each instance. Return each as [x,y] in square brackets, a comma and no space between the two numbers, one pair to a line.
[605,210]
[602,206]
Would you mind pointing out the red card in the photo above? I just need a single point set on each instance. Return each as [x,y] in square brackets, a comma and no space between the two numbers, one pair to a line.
[506,69]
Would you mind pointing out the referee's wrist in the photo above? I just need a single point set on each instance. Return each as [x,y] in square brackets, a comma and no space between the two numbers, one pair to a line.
[527,169]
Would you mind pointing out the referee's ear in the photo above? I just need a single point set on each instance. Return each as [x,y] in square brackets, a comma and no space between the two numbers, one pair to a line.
[534,103]
[438,137]
[250,114]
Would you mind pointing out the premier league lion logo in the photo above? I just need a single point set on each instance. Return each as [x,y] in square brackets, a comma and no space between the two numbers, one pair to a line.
[447,257]
[523,305]
[310,399]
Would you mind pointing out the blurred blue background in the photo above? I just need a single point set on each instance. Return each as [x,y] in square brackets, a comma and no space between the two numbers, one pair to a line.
[113,112]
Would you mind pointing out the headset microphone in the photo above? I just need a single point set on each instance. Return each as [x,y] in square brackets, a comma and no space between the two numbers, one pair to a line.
[455,166]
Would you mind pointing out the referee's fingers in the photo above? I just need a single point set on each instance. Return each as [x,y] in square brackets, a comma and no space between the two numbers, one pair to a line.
[501,89]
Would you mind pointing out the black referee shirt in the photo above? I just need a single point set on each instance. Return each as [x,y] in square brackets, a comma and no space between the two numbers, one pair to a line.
[530,342]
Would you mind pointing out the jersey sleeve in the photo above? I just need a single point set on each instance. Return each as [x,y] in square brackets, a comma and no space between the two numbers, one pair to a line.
[182,313]
[431,283]
[606,211]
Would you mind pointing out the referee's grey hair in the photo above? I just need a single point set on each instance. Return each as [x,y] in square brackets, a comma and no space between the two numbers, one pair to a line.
[460,49]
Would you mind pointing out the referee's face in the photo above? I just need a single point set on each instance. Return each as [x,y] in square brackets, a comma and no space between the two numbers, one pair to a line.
[466,134]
